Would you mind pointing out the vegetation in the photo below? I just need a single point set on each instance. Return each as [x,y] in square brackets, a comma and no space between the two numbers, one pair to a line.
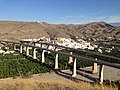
[63,61]
[107,48]
[32,84]
[12,65]
[111,48]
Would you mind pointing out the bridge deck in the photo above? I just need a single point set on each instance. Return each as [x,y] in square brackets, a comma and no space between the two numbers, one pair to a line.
[109,73]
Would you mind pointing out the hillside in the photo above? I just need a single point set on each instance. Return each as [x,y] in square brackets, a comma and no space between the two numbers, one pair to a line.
[14,30]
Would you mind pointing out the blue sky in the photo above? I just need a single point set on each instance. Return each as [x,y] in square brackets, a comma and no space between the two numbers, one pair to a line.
[60,11]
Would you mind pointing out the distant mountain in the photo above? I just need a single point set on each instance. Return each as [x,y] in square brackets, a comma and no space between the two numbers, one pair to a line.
[24,30]
[100,30]
[115,24]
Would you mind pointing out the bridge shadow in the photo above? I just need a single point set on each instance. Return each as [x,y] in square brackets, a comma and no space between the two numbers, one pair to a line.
[87,74]
[81,75]
[67,75]
[86,71]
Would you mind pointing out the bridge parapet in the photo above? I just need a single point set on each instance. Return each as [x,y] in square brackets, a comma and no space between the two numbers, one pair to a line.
[72,56]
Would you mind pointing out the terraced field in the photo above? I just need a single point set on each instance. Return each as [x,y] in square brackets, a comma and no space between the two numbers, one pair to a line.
[13,65]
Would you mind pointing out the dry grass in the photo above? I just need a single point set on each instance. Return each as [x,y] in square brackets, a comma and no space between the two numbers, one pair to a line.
[32,84]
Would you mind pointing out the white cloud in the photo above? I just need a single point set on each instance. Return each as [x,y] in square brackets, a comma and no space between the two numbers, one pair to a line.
[112,19]
[108,19]
[87,19]
[100,18]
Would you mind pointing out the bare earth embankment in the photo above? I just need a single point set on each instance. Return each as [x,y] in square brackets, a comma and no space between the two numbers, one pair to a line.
[33,84]
[60,81]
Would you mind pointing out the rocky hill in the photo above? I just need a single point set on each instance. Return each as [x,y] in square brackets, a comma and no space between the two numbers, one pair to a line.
[14,30]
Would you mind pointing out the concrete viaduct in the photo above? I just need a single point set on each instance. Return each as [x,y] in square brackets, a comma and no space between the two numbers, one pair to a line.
[72,57]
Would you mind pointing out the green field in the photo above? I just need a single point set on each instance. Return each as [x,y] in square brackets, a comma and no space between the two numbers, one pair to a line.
[16,65]
[12,65]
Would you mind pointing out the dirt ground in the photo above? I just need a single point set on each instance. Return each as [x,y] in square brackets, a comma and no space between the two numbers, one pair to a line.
[82,75]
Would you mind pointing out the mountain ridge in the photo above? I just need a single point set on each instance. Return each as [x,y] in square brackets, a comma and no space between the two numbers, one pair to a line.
[14,30]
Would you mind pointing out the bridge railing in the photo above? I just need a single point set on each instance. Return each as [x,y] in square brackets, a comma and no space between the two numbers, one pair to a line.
[74,57]
[104,57]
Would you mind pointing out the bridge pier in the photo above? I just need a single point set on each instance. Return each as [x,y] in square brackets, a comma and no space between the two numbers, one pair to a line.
[70,58]
[41,45]
[14,46]
[20,48]
[34,53]
[101,73]
[24,48]
[74,68]
[43,56]
[27,50]
[94,68]
[34,44]
[56,61]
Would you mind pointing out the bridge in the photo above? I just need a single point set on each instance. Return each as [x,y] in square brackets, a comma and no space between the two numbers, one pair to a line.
[99,58]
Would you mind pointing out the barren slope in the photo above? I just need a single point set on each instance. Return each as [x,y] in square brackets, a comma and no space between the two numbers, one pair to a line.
[22,30]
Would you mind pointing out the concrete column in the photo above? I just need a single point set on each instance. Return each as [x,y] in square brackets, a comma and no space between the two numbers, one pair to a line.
[20,48]
[94,68]
[14,47]
[24,48]
[101,73]
[41,45]
[54,48]
[34,53]
[70,58]
[34,43]
[43,56]
[27,50]
[56,61]
[74,68]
